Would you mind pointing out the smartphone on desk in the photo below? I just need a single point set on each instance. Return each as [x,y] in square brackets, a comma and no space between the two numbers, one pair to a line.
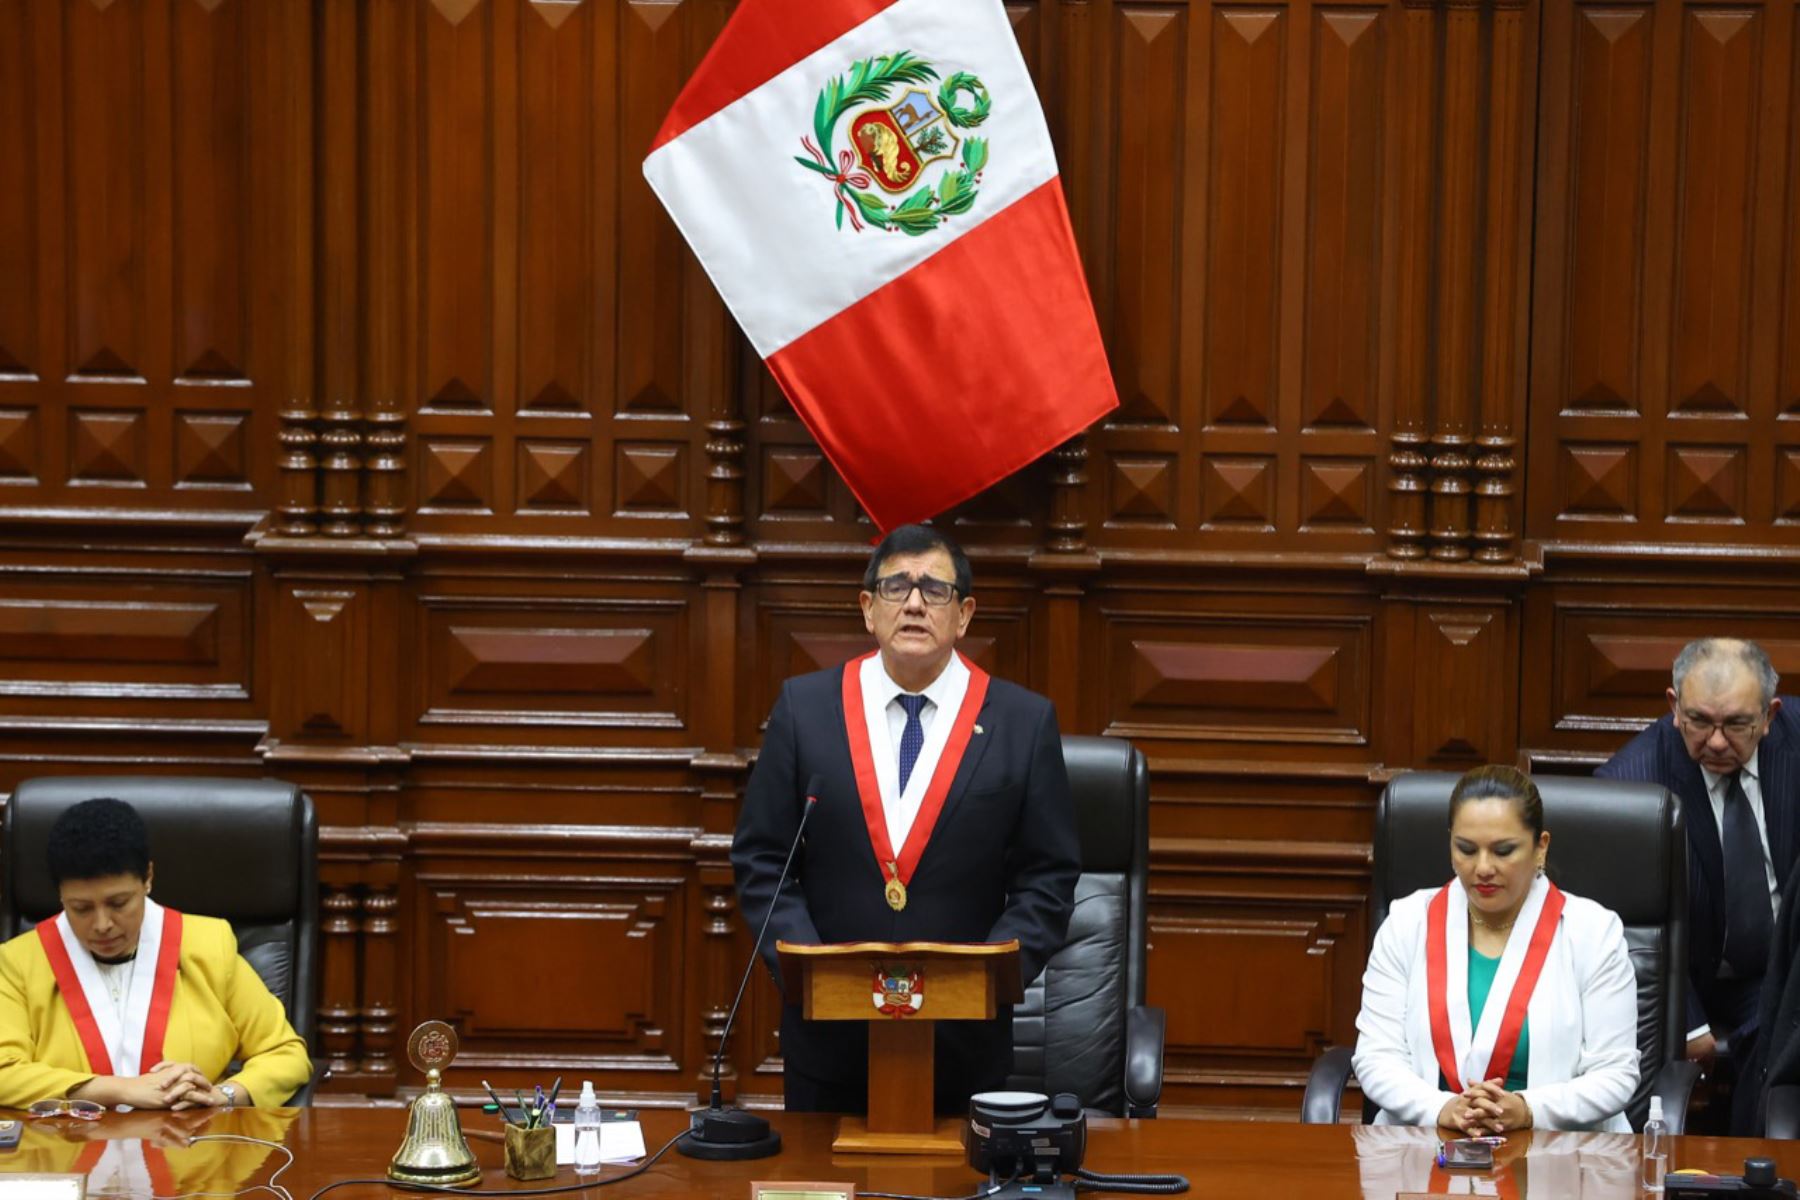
[10,1133]
[1466,1154]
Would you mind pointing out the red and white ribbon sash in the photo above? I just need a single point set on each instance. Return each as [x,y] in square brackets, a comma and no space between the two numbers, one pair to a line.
[126,1167]
[868,789]
[118,1045]
[1485,1051]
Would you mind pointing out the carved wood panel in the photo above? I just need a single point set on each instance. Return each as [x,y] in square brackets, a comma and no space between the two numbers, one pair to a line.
[1610,647]
[533,537]
[581,966]
[148,304]
[1665,273]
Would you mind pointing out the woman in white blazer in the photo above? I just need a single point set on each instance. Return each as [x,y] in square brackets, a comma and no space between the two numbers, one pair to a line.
[1498,1002]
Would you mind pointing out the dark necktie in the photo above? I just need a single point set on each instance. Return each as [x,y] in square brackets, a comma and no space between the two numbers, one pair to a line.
[1747,913]
[912,738]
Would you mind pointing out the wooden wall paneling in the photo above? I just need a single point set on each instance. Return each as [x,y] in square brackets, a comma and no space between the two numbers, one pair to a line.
[1658,319]
[21,251]
[1498,515]
[1246,147]
[322,653]
[575,362]
[339,1040]
[543,537]
[1458,316]
[148,246]
[1245,674]
[1412,155]
[719,945]
[1608,646]
[340,391]
[1449,661]
[536,659]
[1341,286]
[1292,917]
[556,944]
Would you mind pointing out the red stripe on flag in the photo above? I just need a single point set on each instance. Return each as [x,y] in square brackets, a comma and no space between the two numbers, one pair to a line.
[959,372]
[762,39]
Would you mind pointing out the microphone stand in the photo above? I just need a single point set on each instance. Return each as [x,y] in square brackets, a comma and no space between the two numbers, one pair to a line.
[732,1134]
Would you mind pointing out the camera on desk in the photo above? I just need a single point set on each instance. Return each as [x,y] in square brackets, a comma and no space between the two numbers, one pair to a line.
[1025,1136]
[1758,1182]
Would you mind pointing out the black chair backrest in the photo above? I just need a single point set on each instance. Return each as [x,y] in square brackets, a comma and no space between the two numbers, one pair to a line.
[245,850]
[1621,845]
[1069,1034]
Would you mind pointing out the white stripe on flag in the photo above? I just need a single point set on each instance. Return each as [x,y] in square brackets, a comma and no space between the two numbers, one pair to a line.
[763,226]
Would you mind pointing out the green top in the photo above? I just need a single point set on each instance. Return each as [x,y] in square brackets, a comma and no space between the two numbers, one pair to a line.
[1481,981]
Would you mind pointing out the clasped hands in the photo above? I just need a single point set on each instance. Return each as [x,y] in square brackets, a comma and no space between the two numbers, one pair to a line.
[1486,1108]
[168,1085]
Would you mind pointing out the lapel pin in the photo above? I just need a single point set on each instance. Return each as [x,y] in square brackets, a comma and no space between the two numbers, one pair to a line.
[979,729]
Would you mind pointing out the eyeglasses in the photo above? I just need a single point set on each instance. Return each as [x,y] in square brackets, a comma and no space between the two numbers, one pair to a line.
[896,588]
[1735,728]
[83,1110]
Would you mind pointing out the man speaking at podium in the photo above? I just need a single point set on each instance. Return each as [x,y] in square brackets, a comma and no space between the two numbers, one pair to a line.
[943,814]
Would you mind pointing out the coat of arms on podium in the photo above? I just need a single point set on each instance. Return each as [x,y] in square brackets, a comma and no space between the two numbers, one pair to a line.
[899,990]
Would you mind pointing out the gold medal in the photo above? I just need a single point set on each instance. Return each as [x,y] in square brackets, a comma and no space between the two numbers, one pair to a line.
[895,890]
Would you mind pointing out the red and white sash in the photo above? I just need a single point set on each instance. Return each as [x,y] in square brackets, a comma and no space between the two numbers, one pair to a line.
[126,1167]
[133,1044]
[1468,1055]
[868,787]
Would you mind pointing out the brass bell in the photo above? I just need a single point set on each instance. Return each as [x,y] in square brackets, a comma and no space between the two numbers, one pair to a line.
[434,1149]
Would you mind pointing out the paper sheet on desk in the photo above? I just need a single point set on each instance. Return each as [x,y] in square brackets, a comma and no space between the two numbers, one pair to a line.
[621,1138]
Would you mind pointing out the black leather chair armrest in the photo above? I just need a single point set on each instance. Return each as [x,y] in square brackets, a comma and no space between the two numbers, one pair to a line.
[1144,1029]
[304,1097]
[1325,1084]
[1675,1084]
[1783,1117]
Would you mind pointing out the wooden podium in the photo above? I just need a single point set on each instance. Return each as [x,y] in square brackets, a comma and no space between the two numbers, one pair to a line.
[902,989]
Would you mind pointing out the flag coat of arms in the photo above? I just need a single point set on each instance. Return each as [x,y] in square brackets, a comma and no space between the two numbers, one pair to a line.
[871,187]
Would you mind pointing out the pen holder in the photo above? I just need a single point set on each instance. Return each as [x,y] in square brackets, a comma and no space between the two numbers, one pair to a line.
[530,1153]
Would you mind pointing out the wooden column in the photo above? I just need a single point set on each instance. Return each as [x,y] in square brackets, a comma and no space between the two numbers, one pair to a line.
[340,930]
[1511,104]
[1457,303]
[1414,161]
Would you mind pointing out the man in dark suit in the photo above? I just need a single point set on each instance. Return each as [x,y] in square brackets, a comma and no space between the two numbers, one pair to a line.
[943,814]
[1730,750]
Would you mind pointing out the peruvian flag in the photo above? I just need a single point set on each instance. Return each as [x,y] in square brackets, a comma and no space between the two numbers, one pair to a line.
[871,187]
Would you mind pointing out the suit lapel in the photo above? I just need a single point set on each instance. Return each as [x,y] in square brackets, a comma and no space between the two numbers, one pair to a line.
[965,770]
[1777,765]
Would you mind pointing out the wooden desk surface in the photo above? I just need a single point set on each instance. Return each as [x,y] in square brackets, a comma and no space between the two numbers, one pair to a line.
[142,1154]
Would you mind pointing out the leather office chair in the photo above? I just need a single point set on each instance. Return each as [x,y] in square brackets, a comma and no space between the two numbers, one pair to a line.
[246,850]
[1622,845]
[1084,1027]
[1782,1120]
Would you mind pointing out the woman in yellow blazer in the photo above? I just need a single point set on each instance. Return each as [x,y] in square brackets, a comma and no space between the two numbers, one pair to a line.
[120,1001]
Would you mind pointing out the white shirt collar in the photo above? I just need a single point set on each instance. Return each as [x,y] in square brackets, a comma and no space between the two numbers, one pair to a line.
[1715,781]
[945,684]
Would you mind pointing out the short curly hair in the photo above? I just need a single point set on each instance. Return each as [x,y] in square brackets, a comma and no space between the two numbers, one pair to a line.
[98,838]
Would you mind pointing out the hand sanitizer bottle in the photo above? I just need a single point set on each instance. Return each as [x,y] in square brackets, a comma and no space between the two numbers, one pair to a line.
[587,1131]
[1656,1148]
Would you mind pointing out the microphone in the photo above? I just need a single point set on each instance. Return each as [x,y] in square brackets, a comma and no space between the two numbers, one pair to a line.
[733,1134]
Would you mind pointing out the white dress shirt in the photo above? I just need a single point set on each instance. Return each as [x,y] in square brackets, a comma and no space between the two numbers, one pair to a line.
[1716,787]
[887,721]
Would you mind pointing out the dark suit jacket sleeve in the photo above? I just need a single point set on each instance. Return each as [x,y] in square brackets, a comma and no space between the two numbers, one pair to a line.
[1043,858]
[765,829]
